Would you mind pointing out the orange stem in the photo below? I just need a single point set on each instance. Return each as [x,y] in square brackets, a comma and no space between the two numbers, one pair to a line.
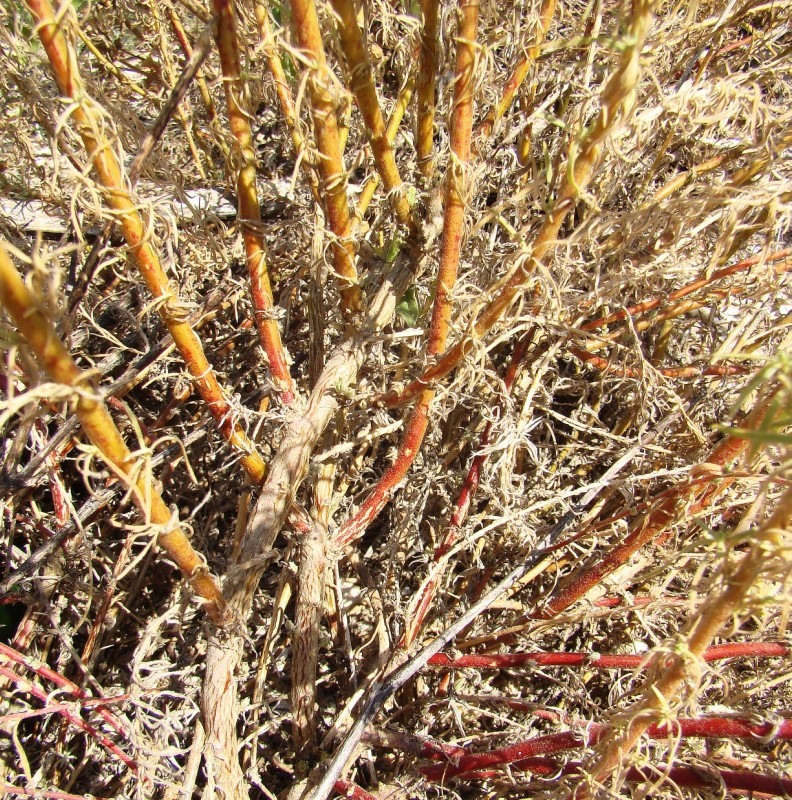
[694,493]
[285,98]
[249,208]
[361,83]
[98,425]
[85,114]
[333,186]
[424,138]
[615,103]
[521,69]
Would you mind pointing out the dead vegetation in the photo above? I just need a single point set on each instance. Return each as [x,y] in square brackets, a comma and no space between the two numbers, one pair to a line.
[395,399]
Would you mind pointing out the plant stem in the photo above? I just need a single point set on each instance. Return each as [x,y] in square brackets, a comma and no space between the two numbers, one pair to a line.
[311,574]
[589,661]
[87,119]
[103,433]
[685,499]
[362,85]
[285,98]
[249,208]
[394,122]
[521,69]
[333,182]
[424,138]
[672,668]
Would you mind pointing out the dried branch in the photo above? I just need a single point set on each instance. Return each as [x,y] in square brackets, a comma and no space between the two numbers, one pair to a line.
[103,433]
[287,472]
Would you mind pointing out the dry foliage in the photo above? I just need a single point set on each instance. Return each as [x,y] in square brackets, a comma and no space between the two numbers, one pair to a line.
[445,349]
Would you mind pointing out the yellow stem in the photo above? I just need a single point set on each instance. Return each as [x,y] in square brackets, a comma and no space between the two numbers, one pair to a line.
[87,118]
[98,425]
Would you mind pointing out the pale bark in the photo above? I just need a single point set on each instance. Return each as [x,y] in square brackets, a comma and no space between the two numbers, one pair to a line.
[287,471]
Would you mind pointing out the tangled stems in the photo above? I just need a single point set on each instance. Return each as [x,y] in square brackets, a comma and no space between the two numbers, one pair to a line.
[671,668]
[513,754]
[86,116]
[521,70]
[615,104]
[450,252]
[103,433]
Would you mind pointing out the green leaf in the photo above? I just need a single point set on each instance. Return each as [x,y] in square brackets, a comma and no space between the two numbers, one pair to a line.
[277,13]
[408,308]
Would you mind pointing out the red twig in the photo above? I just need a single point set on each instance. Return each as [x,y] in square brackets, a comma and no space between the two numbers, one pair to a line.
[43,671]
[512,660]
[649,305]
[420,608]
[706,727]
[682,776]
[31,688]
[353,791]
[61,708]
[692,492]
[606,365]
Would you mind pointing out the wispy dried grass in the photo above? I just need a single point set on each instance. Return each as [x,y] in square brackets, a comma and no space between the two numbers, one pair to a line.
[647,284]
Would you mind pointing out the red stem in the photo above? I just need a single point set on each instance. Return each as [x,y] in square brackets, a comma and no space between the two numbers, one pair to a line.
[682,776]
[78,722]
[43,671]
[352,791]
[512,660]
[692,492]
[606,365]
[649,305]
[709,727]
[427,591]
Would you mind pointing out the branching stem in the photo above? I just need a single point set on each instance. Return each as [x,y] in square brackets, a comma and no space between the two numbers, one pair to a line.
[87,118]
[98,425]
